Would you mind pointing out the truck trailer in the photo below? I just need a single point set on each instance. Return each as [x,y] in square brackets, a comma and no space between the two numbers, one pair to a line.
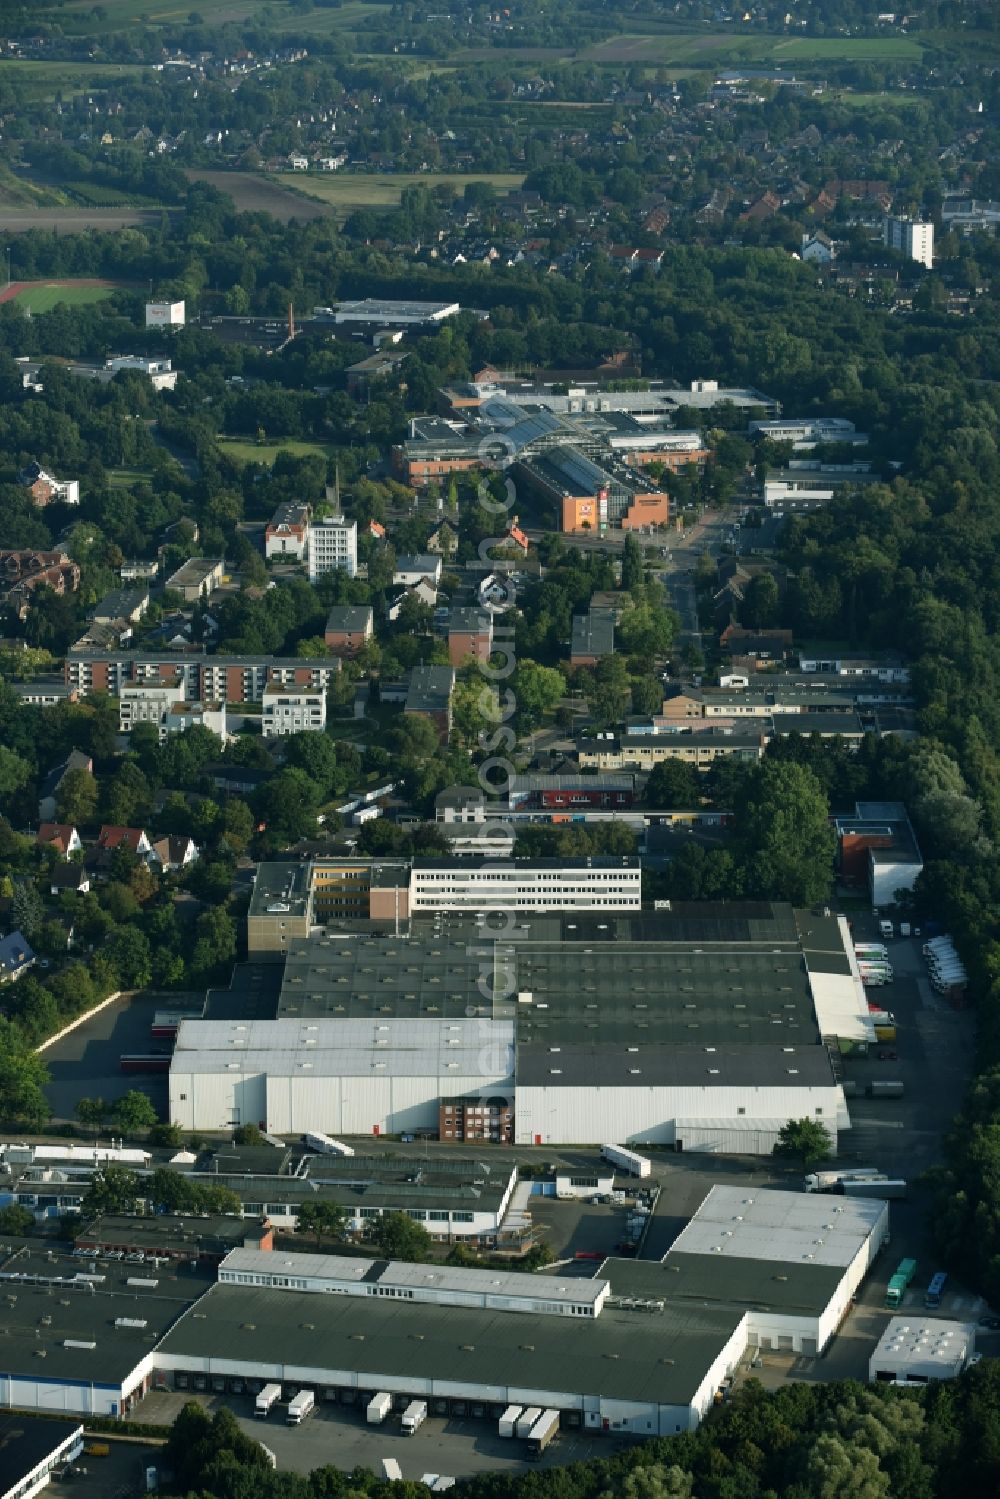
[379,1407]
[527,1419]
[268,1397]
[299,1407]
[887,1089]
[823,1181]
[508,1421]
[876,1186]
[324,1145]
[542,1433]
[627,1160]
[414,1416]
[391,1469]
[905,1271]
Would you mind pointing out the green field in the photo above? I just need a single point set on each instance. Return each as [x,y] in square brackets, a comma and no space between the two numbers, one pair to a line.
[719,49]
[42,296]
[76,16]
[43,80]
[245,450]
[350,190]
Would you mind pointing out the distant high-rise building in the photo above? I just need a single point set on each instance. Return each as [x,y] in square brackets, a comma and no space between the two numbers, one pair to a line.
[333,546]
[914,239]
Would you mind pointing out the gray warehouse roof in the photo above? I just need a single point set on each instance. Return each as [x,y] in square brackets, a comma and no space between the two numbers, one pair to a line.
[660,1358]
[703,1279]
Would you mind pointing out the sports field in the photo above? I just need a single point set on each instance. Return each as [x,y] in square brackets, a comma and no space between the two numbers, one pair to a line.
[42,296]
[346,191]
[245,450]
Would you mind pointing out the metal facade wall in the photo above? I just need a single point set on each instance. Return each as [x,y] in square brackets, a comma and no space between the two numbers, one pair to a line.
[363,1105]
[567,1116]
[216,1100]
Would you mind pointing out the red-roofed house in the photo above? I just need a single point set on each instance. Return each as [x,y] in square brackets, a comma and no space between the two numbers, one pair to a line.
[61,836]
[376,529]
[111,838]
[516,537]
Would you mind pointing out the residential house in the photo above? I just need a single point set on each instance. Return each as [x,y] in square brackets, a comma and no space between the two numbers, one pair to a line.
[411,570]
[46,489]
[442,540]
[61,836]
[429,696]
[593,637]
[470,636]
[22,571]
[72,877]
[111,838]
[49,790]
[516,537]
[287,533]
[16,957]
[292,710]
[128,604]
[818,247]
[180,717]
[424,592]
[348,628]
[175,852]
[196,578]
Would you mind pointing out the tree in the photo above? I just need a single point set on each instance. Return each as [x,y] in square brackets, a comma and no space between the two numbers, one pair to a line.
[783,833]
[113,1190]
[760,605]
[76,798]
[399,1237]
[133,1112]
[633,564]
[215,943]
[327,1220]
[537,690]
[128,795]
[92,1112]
[16,1220]
[673,784]
[23,1076]
[247,1134]
[15,773]
[804,1140]
[607,691]
[26,910]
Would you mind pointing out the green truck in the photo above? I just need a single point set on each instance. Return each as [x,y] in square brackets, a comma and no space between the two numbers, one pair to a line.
[905,1271]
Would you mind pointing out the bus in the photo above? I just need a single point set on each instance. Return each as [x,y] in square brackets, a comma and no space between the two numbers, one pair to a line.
[934,1292]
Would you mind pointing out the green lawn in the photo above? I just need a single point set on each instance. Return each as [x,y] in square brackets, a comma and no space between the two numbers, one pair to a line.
[245,450]
[42,296]
[346,191]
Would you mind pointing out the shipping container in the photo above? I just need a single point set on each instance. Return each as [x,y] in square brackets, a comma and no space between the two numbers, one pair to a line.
[414,1416]
[269,1396]
[299,1407]
[542,1433]
[378,1408]
[508,1421]
[627,1160]
[527,1420]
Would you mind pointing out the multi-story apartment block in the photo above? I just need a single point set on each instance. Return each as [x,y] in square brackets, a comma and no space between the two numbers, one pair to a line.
[333,547]
[287,533]
[232,679]
[470,635]
[292,710]
[348,628]
[46,489]
[912,238]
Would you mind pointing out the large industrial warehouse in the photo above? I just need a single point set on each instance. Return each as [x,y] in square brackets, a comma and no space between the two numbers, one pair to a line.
[705,1027]
[642,1347]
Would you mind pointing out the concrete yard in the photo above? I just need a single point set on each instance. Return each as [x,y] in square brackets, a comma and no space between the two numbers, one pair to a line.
[85,1064]
[457,1446]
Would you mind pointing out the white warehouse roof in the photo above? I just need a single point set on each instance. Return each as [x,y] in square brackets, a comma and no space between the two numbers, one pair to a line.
[345,1048]
[918,1349]
[793,1227]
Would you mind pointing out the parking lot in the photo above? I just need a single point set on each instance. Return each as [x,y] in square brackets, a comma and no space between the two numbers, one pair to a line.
[455,1445]
[86,1063]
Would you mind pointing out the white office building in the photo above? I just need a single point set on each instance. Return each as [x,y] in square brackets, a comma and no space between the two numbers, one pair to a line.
[292,710]
[911,238]
[491,884]
[333,547]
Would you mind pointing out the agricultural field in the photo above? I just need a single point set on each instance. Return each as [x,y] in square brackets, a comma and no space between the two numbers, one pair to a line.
[246,450]
[76,17]
[696,49]
[257,194]
[43,80]
[346,191]
[42,296]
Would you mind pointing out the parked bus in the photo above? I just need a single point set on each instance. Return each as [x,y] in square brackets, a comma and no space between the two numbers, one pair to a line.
[934,1292]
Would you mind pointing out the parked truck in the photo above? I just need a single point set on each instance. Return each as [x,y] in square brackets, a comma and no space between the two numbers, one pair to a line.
[268,1397]
[391,1469]
[905,1271]
[299,1407]
[887,1089]
[324,1145]
[379,1407]
[871,950]
[876,1186]
[542,1433]
[627,1160]
[527,1419]
[414,1416]
[508,1421]
[825,1181]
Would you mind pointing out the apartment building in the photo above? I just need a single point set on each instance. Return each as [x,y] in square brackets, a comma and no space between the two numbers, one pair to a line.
[470,636]
[348,628]
[911,238]
[46,489]
[291,710]
[205,678]
[287,533]
[333,547]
